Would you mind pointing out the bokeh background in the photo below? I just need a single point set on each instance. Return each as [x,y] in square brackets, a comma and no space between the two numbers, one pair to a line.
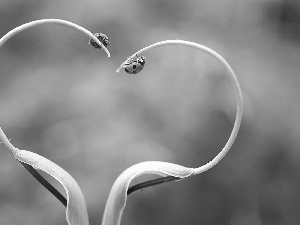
[62,99]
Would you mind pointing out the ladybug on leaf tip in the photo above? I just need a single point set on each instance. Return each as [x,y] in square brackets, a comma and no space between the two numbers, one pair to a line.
[134,66]
[102,38]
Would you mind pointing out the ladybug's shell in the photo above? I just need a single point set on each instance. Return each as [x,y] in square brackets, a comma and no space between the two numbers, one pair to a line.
[135,66]
[102,38]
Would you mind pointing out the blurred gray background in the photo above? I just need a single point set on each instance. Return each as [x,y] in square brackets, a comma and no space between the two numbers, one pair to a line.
[62,99]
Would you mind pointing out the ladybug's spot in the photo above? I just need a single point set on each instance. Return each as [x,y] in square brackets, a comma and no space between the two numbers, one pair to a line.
[134,66]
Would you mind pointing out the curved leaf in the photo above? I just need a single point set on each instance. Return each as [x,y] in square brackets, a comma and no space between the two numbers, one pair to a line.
[76,212]
[118,195]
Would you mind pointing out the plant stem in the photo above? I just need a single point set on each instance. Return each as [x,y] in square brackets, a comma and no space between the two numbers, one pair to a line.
[3,137]
[52,21]
[239,113]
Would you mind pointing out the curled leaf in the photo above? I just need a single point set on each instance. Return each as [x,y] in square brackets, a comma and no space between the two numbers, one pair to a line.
[118,195]
[76,212]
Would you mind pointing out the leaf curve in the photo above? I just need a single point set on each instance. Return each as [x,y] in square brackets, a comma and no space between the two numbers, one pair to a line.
[118,195]
[76,212]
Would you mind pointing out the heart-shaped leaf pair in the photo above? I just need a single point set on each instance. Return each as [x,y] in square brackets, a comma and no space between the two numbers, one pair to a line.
[76,212]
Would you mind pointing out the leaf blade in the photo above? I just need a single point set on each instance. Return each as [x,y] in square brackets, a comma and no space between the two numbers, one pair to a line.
[118,195]
[76,211]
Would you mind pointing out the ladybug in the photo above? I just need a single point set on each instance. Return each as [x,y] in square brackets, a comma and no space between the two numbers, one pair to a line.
[134,66]
[102,38]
